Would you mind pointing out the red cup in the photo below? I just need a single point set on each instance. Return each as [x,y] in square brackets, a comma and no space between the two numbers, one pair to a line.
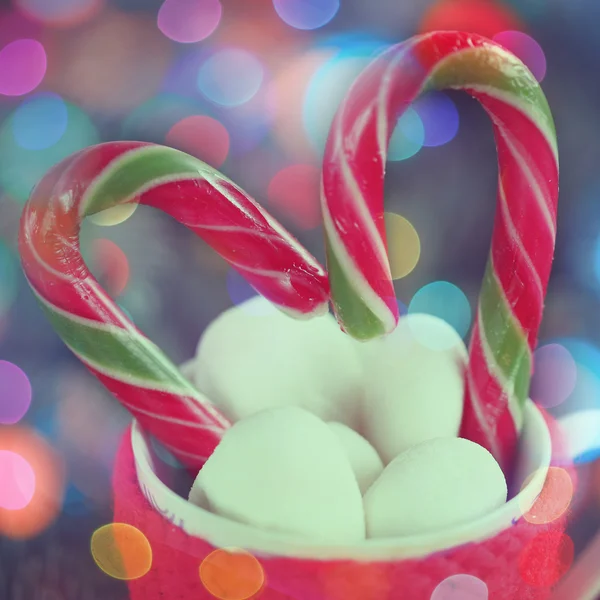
[516,558]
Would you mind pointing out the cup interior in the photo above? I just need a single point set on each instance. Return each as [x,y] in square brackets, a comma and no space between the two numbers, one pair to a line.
[533,460]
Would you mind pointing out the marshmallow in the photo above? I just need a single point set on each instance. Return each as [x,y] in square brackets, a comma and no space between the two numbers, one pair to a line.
[284,470]
[246,363]
[365,461]
[435,485]
[414,385]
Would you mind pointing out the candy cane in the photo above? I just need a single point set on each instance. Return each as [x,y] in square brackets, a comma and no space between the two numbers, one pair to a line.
[512,295]
[89,321]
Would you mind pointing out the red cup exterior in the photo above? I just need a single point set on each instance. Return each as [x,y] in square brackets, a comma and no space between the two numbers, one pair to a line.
[521,562]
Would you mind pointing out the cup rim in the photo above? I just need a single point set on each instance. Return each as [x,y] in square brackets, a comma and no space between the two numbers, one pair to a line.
[221,532]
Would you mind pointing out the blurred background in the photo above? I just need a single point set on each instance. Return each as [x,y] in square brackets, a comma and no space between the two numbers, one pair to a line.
[251,86]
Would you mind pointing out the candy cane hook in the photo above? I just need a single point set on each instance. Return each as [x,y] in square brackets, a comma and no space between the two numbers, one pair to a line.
[92,325]
[512,295]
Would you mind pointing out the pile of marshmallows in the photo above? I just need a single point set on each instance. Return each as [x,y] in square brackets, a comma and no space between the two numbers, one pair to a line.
[335,440]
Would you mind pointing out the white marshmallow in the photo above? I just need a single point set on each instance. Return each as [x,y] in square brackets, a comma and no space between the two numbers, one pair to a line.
[284,469]
[414,385]
[246,363]
[365,461]
[435,485]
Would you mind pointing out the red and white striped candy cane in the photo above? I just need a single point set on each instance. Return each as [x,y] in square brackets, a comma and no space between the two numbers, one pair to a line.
[92,325]
[514,286]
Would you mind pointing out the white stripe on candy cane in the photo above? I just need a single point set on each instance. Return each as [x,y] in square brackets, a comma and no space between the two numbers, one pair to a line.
[178,451]
[100,180]
[356,279]
[494,370]
[190,396]
[233,229]
[541,199]
[515,235]
[537,118]
[196,403]
[479,414]
[184,422]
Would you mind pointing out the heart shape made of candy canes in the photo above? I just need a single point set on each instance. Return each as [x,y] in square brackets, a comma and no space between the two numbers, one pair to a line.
[512,295]
[91,324]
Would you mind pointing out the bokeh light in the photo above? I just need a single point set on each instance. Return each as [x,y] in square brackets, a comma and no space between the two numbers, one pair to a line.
[587,358]
[114,215]
[428,333]
[461,587]
[596,259]
[446,301]
[306,15]
[14,25]
[111,265]
[18,481]
[90,424]
[8,278]
[526,48]
[484,17]
[141,300]
[327,88]
[22,67]
[258,29]
[122,551]
[347,55]
[230,77]
[248,124]
[294,191]
[15,393]
[546,558]
[329,85]
[554,499]
[232,574]
[49,479]
[439,116]
[40,121]
[189,21]
[109,70]
[287,91]
[60,13]
[403,243]
[151,120]
[581,431]
[202,137]
[22,168]
[554,375]
[408,136]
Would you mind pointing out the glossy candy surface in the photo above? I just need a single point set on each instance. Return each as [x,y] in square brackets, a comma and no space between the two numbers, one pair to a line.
[514,286]
[91,324]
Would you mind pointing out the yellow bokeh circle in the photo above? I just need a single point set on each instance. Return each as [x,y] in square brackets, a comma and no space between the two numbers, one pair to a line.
[231,574]
[404,245]
[122,551]
[114,215]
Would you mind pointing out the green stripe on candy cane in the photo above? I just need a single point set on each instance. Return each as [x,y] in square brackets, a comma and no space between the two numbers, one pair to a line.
[355,310]
[466,69]
[134,171]
[109,349]
[504,337]
[524,233]
[132,367]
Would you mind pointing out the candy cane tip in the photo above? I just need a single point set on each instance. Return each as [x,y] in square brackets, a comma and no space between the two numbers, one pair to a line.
[362,328]
[318,310]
